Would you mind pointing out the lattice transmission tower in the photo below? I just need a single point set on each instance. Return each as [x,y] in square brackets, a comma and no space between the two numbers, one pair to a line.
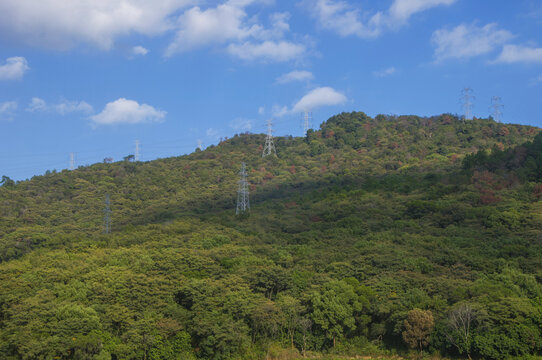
[72,161]
[107,215]
[496,108]
[467,100]
[243,203]
[269,148]
[307,120]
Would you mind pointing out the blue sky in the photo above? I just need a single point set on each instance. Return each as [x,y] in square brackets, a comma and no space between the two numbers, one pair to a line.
[90,77]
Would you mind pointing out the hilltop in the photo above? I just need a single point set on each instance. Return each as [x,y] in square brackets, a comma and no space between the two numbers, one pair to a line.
[354,230]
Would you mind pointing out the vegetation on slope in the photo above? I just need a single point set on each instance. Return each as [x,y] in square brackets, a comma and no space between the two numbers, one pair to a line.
[367,236]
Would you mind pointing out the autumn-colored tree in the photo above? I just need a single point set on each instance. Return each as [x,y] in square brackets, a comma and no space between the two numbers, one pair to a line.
[418,328]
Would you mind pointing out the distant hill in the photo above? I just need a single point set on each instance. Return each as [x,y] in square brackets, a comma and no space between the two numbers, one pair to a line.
[359,233]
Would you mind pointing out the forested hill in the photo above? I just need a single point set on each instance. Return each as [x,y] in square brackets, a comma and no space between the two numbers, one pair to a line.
[361,236]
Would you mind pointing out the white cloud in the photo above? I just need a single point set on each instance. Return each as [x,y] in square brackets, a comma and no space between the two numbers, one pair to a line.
[402,10]
[228,24]
[385,72]
[296,75]
[279,111]
[211,132]
[517,53]
[270,51]
[6,110]
[64,107]
[346,20]
[139,50]
[322,96]
[261,110]
[466,41]
[340,17]
[241,124]
[60,24]
[199,27]
[37,104]
[123,111]
[14,68]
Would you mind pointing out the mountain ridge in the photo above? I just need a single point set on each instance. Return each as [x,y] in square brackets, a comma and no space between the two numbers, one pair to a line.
[353,229]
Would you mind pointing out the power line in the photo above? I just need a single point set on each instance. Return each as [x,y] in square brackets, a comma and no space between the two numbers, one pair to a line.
[269,148]
[243,203]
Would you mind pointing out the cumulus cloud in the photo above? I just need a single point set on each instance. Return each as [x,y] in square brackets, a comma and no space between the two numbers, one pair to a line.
[228,24]
[465,41]
[64,107]
[385,72]
[6,110]
[261,110]
[199,27]
[346,20]
[14,68]
[296,75]
[241,124]
[517,53]
[139,50]
[123,111]
[322,96]
[62,25]
[271,51]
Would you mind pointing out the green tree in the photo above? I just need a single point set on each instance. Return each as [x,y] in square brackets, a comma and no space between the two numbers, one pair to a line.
[334,309]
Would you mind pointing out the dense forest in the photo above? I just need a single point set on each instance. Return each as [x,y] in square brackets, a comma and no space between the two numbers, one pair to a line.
[389,236]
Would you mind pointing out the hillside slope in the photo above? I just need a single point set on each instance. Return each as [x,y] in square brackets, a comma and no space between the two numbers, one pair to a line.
[351,229]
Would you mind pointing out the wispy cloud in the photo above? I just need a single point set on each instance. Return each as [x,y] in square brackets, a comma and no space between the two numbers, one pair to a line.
[123,111]
[518,53]
[63,107]
[385,72]
[279,111]
[401,10]
[468,40]
[211,132]
[271,51]
[6,110]
[296,75]
[14,68]
[67,107]
[347,20]
[37,104]
[241,124]
[139,50]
